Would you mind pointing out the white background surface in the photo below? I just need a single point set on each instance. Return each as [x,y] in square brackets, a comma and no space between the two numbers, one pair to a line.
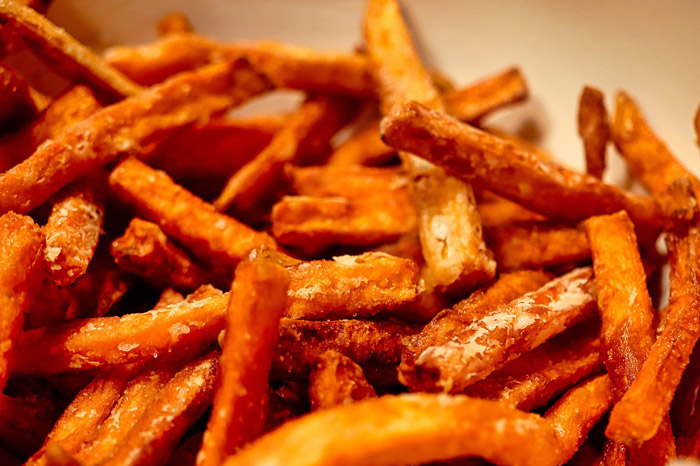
[649,48]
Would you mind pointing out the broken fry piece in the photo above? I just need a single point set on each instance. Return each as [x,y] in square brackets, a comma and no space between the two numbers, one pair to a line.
[593,129]
[337,380]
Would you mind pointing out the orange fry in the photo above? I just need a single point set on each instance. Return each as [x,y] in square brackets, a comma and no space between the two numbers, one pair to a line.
[337,380]
[174,23]
[407,429]
[213,237]
[498,211]
[363,147]
[167,297]
[510,171]
[16,104]
[477,100]
[593,129]
[64,52]
[350,182]
[184,99]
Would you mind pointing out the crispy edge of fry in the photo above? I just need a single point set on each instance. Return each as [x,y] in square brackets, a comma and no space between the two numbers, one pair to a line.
[407,429]
[337,380]
[16,103]
[167,297]
[363,147]
[257,301]
[593,129]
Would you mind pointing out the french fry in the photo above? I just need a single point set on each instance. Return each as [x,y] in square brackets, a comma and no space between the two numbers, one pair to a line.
[73,229]
[16,101]
[21,272]
[184,99]
[167,297]
[337,380]
[498,211]
[407,429]
[203,292]
[56,455]
[449,224]
[211,236]
[68,56]
[303,137]
[350,182]
[495,164]
[257,302]
[533,379]
[479,99]
[174,23]
[502,333]
[363,147]
[454,324]
[180,404]
[593,129]
[144,250]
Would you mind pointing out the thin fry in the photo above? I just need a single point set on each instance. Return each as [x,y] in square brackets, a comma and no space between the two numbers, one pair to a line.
[593,129]
[337,380]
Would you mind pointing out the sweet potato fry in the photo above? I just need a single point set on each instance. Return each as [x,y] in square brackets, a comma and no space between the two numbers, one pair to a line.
[449,225]
[593,129]
[21,270]
[16,103]
[498,211]
[180,404]
[337,380]
[536,245]
[363,147]
[68,56]
[184,99]
[507,170]
[174,23]
[304,136]
[257,302]
[533,379]
[407,429]
[454,324]
[503,333]
[167,297]
[73,229]
[213,237]
[350,182]
[473,102]
[144,250]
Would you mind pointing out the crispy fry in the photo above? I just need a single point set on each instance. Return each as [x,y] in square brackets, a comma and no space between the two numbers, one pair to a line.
[350,182]
[449,225]
[174,23]
[21,270]
[257,302]
[498,211]
[68,56]
[183,99]
[510,171]
[337,380]
[454,324]
[16,104]
[533,379]
[477,100]
[180,403]
[407,429]
[593,129]
[73,229]
[167,297]
[213,237]
[305,135]
[56,455]
[364,147]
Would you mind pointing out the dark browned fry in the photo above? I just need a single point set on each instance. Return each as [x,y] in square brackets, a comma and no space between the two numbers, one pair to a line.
[337,380]
[25,420]
[16,104]
[593,129]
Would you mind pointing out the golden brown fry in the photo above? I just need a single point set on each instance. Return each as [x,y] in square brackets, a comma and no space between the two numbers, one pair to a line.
[174,23]
[593,129]
[454,324]
[68,56]
[363,147]
[449,225]
[16,104]
[350,182]
[257,302]
[184,99]
[507,170]
[21,270]
[337,380]
[477,100]
[305,135]
[213,237]
[533,379]
[407,429]
[56,455]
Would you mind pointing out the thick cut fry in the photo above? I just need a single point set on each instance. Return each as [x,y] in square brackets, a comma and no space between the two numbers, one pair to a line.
[337,380]
[536,245]
[512,172]
[16,104]
[174,23]
[180,404]
[407,429]
[350,182]
[593,129]
[73,229]
[213,237]
[257,302]
[21,270]
[473,102]
[533,379]
[454,325]
[364,147]
[144,250]
[306,134]
[449,224]
[68,56]
[503,333]
[122,127]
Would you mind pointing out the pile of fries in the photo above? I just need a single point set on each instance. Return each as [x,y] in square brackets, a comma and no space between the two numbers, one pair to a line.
[374,278]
